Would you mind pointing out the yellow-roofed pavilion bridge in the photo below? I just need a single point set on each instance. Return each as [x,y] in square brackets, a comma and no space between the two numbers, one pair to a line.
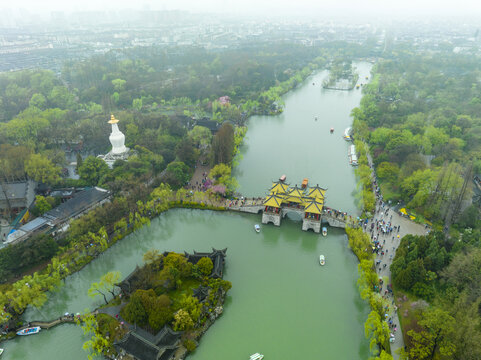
[307,202]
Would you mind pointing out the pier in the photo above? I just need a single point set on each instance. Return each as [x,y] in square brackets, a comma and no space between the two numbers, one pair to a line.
[50,324]
[307,202]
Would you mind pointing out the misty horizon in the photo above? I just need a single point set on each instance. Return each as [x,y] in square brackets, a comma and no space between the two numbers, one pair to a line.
[308,9]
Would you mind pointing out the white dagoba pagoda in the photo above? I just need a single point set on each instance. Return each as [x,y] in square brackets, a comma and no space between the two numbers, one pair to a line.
[117,139]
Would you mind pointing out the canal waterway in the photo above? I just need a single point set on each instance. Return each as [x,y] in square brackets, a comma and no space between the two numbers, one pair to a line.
[282,303]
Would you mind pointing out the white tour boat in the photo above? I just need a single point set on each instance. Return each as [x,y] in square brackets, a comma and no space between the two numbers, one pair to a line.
[322,260]
[256,356]
[324,231]
[1,351]
[257,228]
[348,134]
[29,331]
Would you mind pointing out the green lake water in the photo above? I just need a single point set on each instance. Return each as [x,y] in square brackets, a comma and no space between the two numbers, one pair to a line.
[282,303]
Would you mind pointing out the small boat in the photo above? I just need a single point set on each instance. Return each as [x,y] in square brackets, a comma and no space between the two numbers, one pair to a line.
[256,356]
[322,260]
[282,178]
[257,228]
[304,183]
[29,331]
[348,134]
[367,77]
[1,351]
[324,231]
[332,130]
[357,86]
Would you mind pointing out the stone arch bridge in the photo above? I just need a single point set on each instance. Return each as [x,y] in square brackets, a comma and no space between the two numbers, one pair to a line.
[307,202]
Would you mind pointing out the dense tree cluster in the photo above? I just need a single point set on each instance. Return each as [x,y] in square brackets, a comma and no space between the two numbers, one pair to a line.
[163,292]
[420,116]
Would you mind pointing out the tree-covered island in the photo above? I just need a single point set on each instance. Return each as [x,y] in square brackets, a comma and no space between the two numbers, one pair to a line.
[162,309]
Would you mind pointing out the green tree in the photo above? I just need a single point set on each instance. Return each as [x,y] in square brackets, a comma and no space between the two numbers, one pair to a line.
[161,312]
[437,335]
[377,330]
[79,161]
[119,84]
[179,173]
[41,205]
[134,312]
[201,136]
[92,170]
[186,152]
[137,104]
[205,265]
[106,284]
[97,344]
[182,321]
[223,144]
[41,169]
[38,100]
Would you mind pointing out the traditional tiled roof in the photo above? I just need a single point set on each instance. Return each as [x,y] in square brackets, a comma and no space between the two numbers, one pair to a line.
[273,200]
[313,207]
[295,192]
[79,203]
[317,192]
[278,187]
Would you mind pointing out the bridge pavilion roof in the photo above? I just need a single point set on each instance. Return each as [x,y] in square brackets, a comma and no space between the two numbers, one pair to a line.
[273,200]
[279,187]
[314,207]
[317,192]
[294,199]
[295,192]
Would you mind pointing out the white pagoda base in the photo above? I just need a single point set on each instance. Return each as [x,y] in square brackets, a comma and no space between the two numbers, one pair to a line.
[111,158]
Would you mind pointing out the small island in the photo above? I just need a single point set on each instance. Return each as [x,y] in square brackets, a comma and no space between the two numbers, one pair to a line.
[163,307]
[342,76]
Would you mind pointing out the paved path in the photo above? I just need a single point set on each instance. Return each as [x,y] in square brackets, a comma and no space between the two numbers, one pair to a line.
[390,242]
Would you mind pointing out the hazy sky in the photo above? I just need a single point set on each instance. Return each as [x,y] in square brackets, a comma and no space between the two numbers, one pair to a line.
[274,7]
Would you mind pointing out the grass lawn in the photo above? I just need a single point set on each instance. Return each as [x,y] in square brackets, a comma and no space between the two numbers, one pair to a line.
[388,193]
[188,285]
[407,311]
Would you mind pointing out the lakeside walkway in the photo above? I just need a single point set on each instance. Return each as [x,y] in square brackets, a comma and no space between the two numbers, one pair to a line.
[389,241]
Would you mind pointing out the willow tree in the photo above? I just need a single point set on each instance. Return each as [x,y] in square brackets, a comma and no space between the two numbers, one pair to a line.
[106,284]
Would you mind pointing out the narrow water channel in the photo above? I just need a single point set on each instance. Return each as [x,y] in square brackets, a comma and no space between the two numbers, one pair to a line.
[282,304]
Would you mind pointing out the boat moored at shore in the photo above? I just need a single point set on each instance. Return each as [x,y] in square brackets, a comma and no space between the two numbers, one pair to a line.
[352,155]
[322,260]
[29,331]
[348,134]
[324,231]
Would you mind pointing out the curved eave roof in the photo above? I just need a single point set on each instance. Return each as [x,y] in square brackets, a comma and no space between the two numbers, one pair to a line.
[317,192]
[314,207]
[296,192]
[278,187]
[273,201]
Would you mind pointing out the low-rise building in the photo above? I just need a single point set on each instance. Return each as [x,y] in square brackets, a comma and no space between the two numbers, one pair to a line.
[16,196]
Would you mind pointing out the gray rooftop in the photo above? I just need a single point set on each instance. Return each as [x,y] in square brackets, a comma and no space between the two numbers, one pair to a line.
[34,224]
[78,204]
